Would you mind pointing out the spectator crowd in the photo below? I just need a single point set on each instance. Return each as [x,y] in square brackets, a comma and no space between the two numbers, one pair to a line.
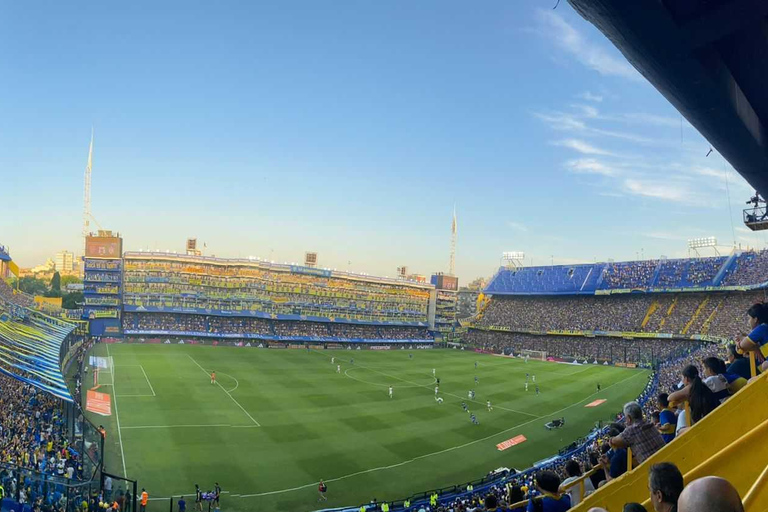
[213,325]
[715,314]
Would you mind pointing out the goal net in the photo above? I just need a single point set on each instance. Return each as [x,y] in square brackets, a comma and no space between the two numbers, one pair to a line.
[103,371]
[534,354]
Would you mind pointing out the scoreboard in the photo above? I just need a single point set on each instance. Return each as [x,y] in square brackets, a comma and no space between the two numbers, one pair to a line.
[108,247]
[444,282]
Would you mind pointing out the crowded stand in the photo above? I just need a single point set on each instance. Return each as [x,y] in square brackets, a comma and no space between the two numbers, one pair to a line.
[642,352]
[47,460]
[9,295]
[745,269]
[714,314]
[163,282]
[751,268]
[633,274]
[211,326]
[573,312]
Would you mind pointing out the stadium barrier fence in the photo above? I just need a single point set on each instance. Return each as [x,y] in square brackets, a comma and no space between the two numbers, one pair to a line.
[53,489]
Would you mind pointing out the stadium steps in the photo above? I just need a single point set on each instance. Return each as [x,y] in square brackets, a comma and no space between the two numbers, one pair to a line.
[656,274]
[651,310]
[729,443]
[669,313]
[705,326]
[695,315]
[730,264]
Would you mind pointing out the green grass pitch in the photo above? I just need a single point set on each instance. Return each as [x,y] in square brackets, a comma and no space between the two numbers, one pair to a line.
[279,420]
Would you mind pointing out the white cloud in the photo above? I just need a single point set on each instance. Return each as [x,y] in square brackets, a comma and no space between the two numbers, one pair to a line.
[516,226]
[588,96]
[589,54]
[657,190]
[582,147]
[587,110]
[651,119]
[621,135]
[589,166]
[663,235]
[571,123]
[560,121]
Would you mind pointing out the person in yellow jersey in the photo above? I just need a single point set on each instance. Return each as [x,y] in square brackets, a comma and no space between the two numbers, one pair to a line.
[407,504]
[385,507]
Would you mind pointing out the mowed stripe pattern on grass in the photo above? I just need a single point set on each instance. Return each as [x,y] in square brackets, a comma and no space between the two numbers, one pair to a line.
[316,423]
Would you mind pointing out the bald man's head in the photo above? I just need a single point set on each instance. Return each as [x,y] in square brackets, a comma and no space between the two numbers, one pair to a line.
[710,494]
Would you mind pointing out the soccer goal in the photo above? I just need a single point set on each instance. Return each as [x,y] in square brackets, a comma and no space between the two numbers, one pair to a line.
[534,354]
[103,371]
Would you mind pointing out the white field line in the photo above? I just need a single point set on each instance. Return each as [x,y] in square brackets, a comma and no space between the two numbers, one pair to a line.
[453,395]
[227,392]
[382,385]
[175,426]
[145,376]
[237,382]
[117,417]
[180,494]
[190,426]
[427,455]
[134,396]
[429,386]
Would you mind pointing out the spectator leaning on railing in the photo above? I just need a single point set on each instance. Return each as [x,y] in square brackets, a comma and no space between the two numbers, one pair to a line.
[639,435]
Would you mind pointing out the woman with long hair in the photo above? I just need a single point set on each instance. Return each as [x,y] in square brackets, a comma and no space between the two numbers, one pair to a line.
[700,398]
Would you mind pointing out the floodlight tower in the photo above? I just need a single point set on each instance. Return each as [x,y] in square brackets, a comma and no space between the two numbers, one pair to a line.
[694,244]
[87,194]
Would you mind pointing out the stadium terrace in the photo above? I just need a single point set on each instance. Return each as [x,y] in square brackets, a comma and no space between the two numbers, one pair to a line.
[739,271]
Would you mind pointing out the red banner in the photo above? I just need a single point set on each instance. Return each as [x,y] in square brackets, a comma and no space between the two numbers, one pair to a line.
[509,443]
[98,403]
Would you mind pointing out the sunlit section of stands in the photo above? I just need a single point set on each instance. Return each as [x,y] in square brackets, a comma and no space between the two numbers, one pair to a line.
[30,343]
[745,269]
[729,443]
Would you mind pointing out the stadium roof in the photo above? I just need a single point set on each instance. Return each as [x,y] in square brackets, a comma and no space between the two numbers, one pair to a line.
[709,58]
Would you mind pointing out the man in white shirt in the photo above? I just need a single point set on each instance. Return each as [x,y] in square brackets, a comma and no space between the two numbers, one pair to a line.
[573,470]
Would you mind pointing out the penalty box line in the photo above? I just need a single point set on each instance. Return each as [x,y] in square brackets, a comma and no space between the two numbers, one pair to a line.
[227,392]
[145,377]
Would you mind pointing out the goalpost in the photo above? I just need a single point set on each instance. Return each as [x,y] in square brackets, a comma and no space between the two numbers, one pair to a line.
[103,371]
[534,354]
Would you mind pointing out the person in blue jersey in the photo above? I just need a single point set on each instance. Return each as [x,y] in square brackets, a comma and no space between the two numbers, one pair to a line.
[667,418]
[737,363]
[757,340]
[548,484]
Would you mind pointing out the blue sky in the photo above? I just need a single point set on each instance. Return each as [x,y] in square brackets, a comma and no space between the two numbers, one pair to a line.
[349,128]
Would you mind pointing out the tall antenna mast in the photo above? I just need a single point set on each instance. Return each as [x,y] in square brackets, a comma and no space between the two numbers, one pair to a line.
[87,194]
[454,229]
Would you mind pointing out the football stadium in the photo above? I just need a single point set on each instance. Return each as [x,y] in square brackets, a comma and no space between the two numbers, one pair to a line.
[182,380]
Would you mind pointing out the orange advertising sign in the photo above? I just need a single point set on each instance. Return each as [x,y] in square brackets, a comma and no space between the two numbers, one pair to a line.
[98,403]
[509,443]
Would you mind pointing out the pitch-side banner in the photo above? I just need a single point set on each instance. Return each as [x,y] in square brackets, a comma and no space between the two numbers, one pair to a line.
[98,403]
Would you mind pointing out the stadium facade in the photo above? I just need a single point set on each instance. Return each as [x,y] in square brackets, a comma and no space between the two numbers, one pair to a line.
[152,295]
